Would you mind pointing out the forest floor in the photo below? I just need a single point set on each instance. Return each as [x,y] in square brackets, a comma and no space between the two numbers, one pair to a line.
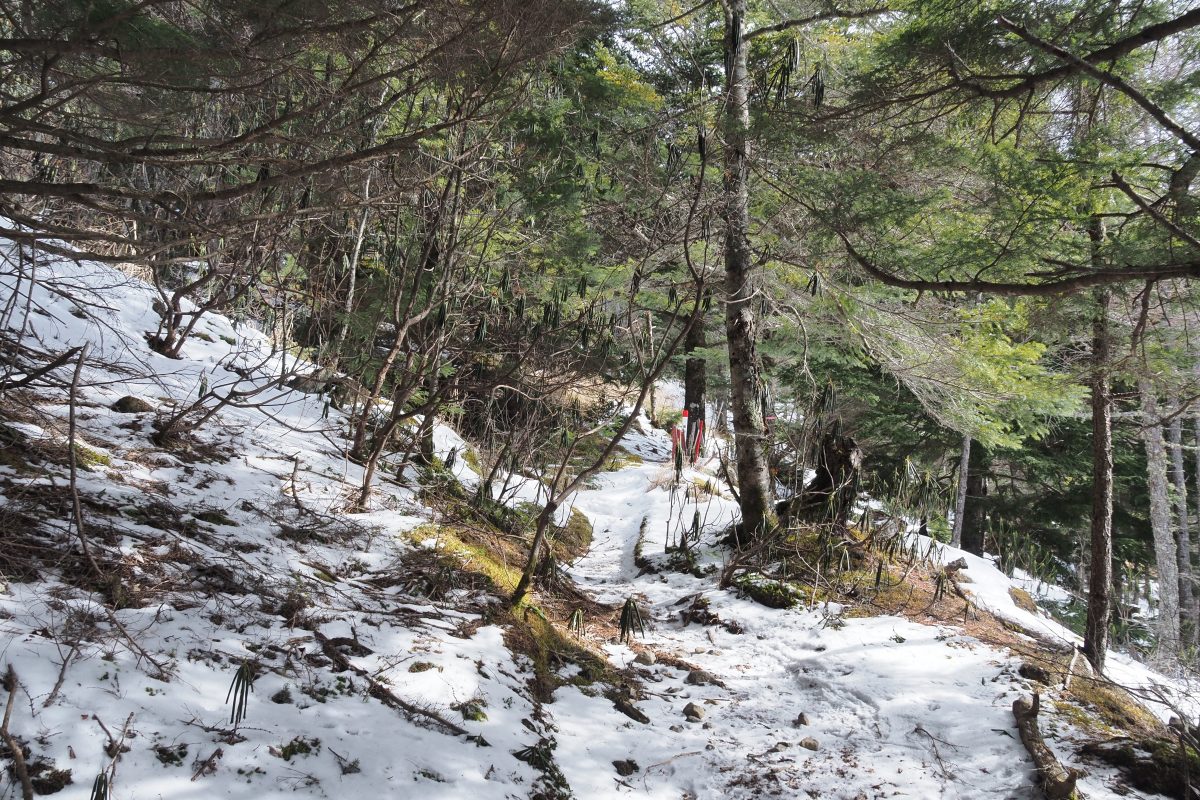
[384,659]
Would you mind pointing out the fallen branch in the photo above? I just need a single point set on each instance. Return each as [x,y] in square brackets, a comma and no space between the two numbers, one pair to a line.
[62,675]
[162,673]
[933,742]
[381,692]
[209,765]
[32,376]
[1057,781]
[1071,669]
[14,747]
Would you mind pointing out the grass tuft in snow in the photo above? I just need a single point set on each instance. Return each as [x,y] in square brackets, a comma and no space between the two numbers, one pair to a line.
[239,693]
[631,620]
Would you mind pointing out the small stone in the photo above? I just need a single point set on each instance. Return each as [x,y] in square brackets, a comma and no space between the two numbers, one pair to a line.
[699,677]
[676,728]
[780,747]
[630,710]
[1035,673]
[646,657]
[809,743]
[131,405]
[800,721]
[626,767]
[693,712]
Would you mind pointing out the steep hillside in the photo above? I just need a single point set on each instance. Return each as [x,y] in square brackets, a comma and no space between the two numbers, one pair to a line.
[227,621]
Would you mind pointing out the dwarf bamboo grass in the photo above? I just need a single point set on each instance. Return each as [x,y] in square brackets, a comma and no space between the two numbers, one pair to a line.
[239,693]
[100,788]
[631,620]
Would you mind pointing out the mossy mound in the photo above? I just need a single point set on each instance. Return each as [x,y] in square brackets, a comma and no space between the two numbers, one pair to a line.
[573,539]
[1023,599]
[770,592]
[1153,764]
[455,553]
[1114,708]
[132,405]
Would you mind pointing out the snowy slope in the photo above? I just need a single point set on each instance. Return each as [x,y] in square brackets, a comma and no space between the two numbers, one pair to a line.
[884,698]
[244,540]
[248,537]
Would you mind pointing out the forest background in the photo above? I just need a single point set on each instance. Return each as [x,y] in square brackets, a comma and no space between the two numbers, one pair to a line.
[938,253]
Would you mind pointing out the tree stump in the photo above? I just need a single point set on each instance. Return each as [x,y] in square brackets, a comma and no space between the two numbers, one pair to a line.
[830,495]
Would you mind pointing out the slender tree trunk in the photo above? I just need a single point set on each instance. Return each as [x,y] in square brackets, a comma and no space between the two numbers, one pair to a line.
[695,381]
[960,501]
[974,512]
[1095,639]
[1160,524]
[720,418]
[741,328]
[428,420]
[351,264]
[1195,568]
[1183,544]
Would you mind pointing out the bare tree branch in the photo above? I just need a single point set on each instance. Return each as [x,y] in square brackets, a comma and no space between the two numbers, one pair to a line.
[1074,283]
[824,16]
[1084,65]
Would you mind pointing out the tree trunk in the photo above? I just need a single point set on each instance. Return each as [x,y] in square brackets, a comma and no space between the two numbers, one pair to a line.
[1160,524]
[1095,640]
[1195,568]
[351,265]
[960,501]
[695,380]
[974,511]
[1183,543]
[425,431]
[741,330]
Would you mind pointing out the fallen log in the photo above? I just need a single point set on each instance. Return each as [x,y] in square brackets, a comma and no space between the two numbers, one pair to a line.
[1057,781]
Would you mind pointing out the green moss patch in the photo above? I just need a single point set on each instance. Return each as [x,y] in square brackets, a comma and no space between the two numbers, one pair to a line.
[574,538]
[89,458]
[501,573]
[1113,708]
[300,746]
[1023,599]
[770,592]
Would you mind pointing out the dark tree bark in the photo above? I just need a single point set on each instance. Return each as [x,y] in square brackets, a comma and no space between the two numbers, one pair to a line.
[741,284]
[829,496]
[975,512]
[1095,640]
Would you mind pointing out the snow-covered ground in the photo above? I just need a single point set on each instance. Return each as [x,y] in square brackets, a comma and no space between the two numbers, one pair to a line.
[366,688]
